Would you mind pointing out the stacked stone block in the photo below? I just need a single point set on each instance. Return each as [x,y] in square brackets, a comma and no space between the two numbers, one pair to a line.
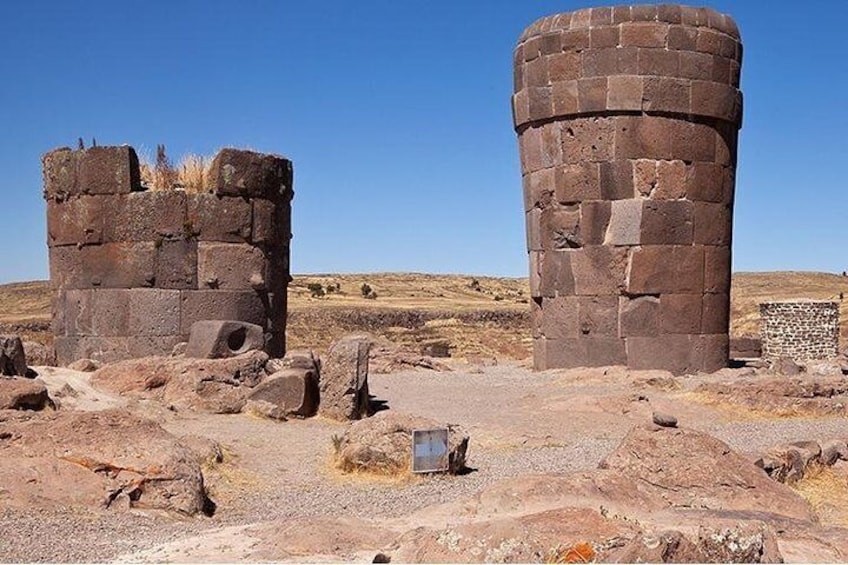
[627,119]
[802,330]
[132,269]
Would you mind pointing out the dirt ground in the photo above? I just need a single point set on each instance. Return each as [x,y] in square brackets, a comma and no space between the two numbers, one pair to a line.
[520,423]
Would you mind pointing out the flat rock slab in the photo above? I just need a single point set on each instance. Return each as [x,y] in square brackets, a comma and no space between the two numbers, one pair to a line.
[97,459]
[18,393]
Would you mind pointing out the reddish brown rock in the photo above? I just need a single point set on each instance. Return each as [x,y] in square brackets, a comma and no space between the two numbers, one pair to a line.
[344,379]
[13,361]
[19,393]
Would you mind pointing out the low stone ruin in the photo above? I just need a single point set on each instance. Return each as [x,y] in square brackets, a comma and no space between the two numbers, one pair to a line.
[132,268]
[802,330]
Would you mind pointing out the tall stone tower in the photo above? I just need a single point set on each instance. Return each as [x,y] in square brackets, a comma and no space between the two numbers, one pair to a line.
[627,119]
[132,269]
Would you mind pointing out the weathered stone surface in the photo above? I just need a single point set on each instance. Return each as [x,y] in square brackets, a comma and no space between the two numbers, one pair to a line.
[746,347]
[13,361]
[213,218]
[229,266]
[664,420]
[246,173]
[382,444]
[145,216]
[38,354]
[246,306]
[344,379]
[108,456]
[219,386]
[294,392]
[108,170]
[19,393]
[214,339]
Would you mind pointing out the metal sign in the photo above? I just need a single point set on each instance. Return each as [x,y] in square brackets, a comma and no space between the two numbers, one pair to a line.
[430,450]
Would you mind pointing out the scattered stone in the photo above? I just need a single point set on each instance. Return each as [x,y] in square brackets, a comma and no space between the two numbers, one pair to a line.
[216,339]
[833,451]
[786,367]
[85,365]
[39,355]
[19,393]
[295,359]
[664,420]
[344,379]
[436,348]
[179,349]
[13,360]
[294,392]
[382,444]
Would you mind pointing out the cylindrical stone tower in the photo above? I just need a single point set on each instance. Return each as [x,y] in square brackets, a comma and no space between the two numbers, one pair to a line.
[627,119]
[804,330]
[132,269]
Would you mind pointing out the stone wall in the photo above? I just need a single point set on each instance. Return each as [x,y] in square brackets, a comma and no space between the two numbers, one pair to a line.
[132,269]
[627,120]
[803,330]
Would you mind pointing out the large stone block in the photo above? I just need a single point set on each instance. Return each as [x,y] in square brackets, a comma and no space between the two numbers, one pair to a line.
[716,314]
[246,306]
[111,265]
[625,224]
[713,223]
[153,312]
[151,346]
[676,353]
[598,316]
[598,270]
[666,268]
[176,264]
[584,352]
[594,221]
[295,391]
[59,169]
[76,221]
[576,183]
[639,316]
[215,339]
[667,222]
[97,312]
[680,313]
[230,266]
[235,172]
[557,278]
[344,379]
[559,228]
[146,216]
[716,269]
[213,218]
[102,349]
[560,317]
[108,170]
[271,222]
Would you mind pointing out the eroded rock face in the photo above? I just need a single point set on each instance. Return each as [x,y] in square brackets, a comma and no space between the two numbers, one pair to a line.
[382,444]
[344,379]
[692,469]
[219,386]
[39,354]
[111,458]
[23,394]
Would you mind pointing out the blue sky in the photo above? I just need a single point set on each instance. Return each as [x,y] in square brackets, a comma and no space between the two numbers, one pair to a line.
[396,115]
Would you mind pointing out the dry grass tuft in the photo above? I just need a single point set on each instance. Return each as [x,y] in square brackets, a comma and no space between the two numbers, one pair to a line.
[191,174]
[826,489]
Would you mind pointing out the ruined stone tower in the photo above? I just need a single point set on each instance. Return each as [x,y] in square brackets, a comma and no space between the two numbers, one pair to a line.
[132,269]
[627,119]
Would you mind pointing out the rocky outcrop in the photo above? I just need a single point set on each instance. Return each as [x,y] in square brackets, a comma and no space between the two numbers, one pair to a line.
[23,394]
[111,458]
[219,386]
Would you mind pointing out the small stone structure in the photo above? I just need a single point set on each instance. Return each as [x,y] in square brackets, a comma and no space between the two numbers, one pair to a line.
[627,119]
[803,330]
[133,269]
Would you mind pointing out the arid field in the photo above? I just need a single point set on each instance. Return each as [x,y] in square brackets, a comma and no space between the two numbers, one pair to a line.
[476,315]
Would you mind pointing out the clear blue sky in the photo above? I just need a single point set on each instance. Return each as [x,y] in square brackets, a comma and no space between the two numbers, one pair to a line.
[397,117]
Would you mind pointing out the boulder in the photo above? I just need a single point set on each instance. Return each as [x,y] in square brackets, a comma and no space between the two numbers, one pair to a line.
[23,394]
[382,444]
[789,463]
[690,468]
[216,339]
[206,450]
[220,386]
[12,356]
[833,451]
[39,355]
[295,359]
[664,420]
[293,391]
[344,379]
[109,458]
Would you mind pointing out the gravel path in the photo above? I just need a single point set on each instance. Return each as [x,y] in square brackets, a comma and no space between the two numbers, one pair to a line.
[519,423]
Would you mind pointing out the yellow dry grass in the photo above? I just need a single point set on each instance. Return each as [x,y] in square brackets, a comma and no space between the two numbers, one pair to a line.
[826,489]
[191,173]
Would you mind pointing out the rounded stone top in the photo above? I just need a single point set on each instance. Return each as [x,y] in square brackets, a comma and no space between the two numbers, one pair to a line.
[614,15]
[660,59]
